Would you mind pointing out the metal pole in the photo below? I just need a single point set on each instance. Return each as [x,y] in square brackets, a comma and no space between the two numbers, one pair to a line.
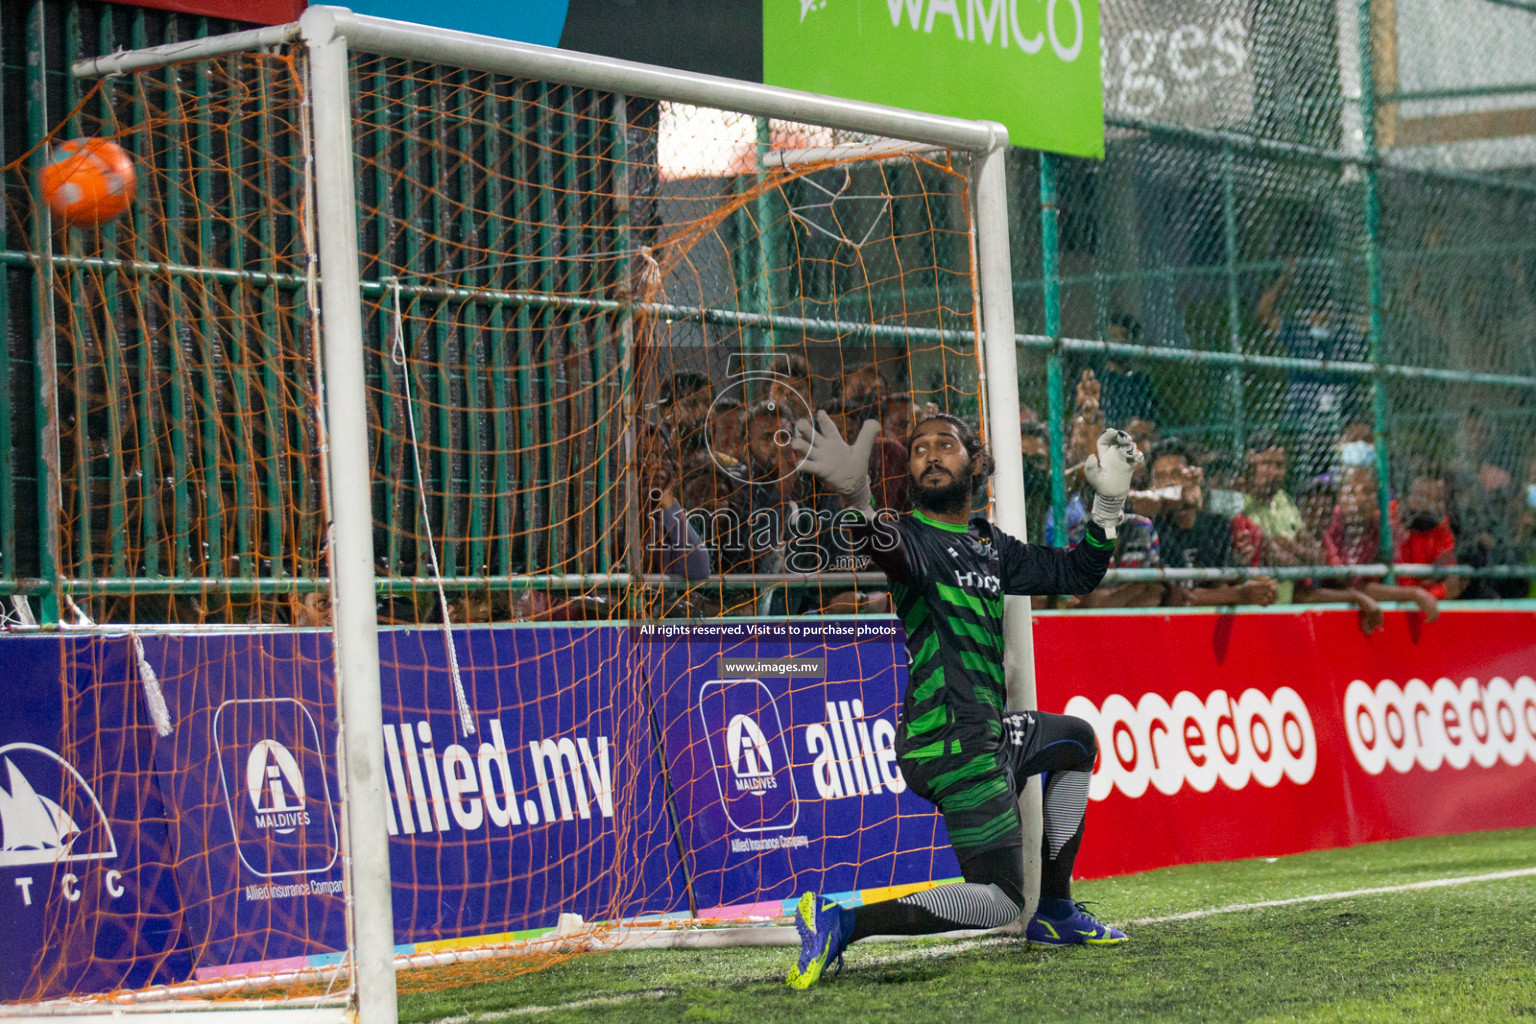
[192,49]
[1234,307]
[1055,402]
[767,242]
[629,467]
[50,495]
[1379,404]
[355,613]
[387,38]
[1000,365]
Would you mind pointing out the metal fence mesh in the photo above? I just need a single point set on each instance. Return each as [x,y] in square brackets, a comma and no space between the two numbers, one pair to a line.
[1311,230]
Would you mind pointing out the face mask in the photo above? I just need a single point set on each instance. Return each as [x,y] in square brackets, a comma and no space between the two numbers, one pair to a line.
[1422,521]
[1357,453]
[1229,503]
[1530,495]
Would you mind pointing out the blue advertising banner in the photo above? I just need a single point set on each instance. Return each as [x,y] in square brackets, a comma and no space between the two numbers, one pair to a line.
[780,748]
[87,888]
[250,772]
[540,770]
[553,805]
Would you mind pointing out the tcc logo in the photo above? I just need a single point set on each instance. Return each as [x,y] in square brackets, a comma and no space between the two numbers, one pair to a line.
[272,766]
[750,753]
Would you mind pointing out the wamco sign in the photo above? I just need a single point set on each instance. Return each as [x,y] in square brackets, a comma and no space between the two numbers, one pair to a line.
[1031,64]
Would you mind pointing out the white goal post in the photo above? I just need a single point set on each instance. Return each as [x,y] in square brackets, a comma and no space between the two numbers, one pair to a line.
[330,36]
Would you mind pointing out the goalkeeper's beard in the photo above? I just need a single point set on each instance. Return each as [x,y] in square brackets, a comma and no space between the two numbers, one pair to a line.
[954,496]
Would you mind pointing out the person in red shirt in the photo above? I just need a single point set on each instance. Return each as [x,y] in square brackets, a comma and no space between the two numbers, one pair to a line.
[1353,537]
[1425,537]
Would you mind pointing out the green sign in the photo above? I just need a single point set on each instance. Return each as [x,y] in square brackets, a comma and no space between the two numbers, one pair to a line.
[1031,64]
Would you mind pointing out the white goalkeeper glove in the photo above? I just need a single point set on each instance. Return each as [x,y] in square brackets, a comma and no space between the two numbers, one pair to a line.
[843,467]
[1109,473]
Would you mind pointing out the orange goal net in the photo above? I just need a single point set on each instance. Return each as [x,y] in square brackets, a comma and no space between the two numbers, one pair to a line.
[632,679]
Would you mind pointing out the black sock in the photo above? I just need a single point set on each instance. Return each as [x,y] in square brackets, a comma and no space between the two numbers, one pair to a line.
[1064,805]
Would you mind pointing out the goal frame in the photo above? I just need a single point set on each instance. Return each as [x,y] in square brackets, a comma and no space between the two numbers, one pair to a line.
[330,35]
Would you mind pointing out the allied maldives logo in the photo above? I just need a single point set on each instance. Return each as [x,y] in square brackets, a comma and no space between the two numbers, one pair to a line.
[276,788]
[272,767]
[750,753]
[48,814]
[751,760]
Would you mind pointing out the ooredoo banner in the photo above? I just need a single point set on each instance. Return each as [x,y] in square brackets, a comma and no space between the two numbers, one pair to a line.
[1226,736]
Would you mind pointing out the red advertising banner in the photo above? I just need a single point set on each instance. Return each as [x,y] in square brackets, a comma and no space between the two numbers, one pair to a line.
[1229,736]
[258,12]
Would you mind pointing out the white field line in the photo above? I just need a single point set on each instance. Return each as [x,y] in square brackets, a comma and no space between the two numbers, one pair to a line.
[952,948]
[1434,883]
[580,1004]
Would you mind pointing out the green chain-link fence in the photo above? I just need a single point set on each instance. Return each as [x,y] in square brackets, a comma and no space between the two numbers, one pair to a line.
[1310,237]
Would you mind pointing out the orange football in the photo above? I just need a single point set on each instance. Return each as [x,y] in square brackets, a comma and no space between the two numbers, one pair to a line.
[87,182]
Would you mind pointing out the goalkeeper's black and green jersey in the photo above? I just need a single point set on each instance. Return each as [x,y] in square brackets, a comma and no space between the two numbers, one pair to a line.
[948,583]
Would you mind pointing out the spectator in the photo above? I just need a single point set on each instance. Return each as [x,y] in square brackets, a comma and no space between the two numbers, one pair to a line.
[1319,403]
[896,417]
[1285,539]
[1145,497]
[542,606]
[864,381]
[671,545]
[888,489]
[774,490]
[1353,538]
[728,435]
[1356,447]
[1316,502]
[1331,592]
[1035,439]
[715,509]
[770,459]
[1224,497]
[1084,428]
[1136,547]
[685,401]
[791,389]
[1191,538]
[1143,431]
[1136,540]
[709,497]
[1146,435]
[1127,395]
[1426,537]
[1483,507]
[1525,527]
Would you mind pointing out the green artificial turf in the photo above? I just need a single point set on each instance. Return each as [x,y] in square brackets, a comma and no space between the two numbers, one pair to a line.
[1464,952]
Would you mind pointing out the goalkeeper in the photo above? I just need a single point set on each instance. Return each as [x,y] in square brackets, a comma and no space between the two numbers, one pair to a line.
[957,746]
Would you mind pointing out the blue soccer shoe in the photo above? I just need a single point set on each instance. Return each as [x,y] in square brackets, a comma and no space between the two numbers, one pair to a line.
[822,940]
[1078,929]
